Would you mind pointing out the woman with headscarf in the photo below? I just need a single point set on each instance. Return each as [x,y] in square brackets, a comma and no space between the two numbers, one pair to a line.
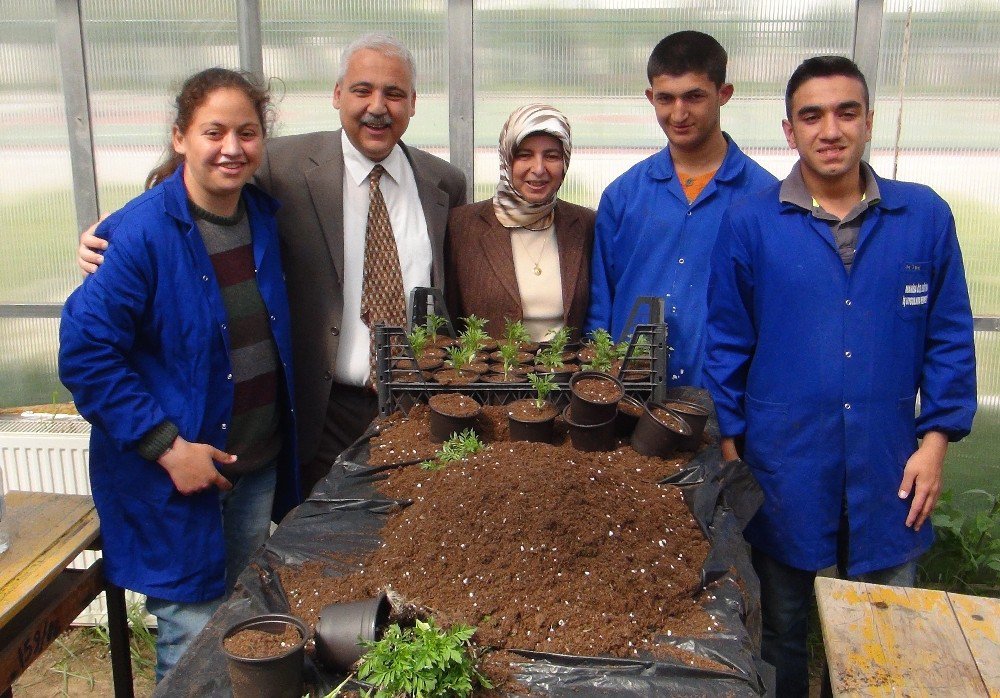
[523,254]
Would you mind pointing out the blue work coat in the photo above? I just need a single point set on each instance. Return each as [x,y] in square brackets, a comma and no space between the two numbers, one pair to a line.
[821,369]
[649,241]
[145,339]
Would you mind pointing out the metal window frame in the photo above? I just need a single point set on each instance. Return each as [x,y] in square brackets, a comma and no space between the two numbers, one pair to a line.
[867,37]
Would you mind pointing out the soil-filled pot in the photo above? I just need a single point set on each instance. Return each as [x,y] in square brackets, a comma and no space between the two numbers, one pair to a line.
[561,375]
[594,397]
[696,416]
[529,423]
[342,626]
[590,437]
[629,411]
[452,413]
[264,655]
[450,376]
[659,431]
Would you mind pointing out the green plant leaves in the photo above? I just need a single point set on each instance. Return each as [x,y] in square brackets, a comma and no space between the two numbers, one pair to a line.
[422,662]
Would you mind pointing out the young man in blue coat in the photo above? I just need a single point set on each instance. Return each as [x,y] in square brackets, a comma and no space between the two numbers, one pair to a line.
[836,298]
[657,223]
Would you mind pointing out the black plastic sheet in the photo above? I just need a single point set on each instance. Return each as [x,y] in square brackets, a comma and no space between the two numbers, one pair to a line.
[344,515]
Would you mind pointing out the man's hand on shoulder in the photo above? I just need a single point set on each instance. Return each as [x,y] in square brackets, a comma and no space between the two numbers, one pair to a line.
[88,253]
[922,477]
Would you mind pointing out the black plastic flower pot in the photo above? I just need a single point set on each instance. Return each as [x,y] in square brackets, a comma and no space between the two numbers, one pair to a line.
[526,424]
[594,397]
[590,437]
[629,411]
[696,416]
[659,431]
[277,676]
[452,413]
[343,626]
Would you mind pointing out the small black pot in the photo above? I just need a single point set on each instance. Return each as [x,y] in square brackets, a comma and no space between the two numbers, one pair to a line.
[586,411]
[538,431]
[267,677]
[342,627]
[624,421]
[654,438]
[591,437]
[443,425]
[695,415]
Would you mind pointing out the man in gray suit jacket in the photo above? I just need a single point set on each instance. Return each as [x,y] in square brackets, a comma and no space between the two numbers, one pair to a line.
[321,180]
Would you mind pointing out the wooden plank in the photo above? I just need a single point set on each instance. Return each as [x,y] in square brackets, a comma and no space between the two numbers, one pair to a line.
[979,619]
[888,641]
[44,619]
[47,532]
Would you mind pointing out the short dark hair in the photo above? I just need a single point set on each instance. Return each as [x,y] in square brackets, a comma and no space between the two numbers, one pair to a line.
[823,67]
[688,52]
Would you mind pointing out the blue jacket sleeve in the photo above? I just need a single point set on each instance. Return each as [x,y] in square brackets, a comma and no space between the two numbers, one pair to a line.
[98,331]
[731,337]
[948,375]
[602,285]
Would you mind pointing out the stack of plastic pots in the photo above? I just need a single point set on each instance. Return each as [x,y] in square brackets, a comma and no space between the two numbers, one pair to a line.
[590,417]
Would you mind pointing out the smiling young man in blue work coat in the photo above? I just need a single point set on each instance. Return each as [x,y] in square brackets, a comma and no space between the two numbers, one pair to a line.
[836,298]
[657,223]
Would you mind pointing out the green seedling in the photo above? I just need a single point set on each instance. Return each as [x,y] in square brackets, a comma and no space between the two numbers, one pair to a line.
[515,333]
[473,338]
[543,385]
[604,351]
[550,359]
[508,355]
[560,339]
[418,339]
[460,356]
[434,323]
[457,447]
[422,662]
[475,323]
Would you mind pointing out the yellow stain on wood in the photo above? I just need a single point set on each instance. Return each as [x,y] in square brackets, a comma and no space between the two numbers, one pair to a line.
[888,641]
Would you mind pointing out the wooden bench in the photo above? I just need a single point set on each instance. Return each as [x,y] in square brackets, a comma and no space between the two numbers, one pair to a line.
[892,641]
[40,596]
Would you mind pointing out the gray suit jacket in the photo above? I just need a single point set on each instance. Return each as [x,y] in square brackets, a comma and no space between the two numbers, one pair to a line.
[305,173]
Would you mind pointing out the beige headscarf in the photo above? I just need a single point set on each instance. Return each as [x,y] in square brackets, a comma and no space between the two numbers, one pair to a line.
[512,209]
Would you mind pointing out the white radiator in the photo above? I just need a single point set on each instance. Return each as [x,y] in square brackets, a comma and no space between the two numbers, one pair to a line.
[49,453]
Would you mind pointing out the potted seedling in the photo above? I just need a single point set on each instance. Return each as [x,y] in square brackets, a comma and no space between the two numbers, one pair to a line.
[550,361]
[659,431]
[511,365]
[600,353]
[456,447]
[477,326]
[264,656]
[514,332]
[457,369]
[474,340]
[429,358]
[434,323]
[560,343]
[533,420]
[423,660]
[450,413]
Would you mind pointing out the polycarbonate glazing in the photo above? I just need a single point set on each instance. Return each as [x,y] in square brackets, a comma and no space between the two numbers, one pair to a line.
[138,54]
[37,220]
[935,123]
[303,41]
[36,199]
[588,58]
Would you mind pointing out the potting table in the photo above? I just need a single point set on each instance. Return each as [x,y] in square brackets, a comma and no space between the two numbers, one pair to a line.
[883,640]
[40,596]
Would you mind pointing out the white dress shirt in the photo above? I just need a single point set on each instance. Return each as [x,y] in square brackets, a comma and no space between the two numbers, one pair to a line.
[409,228]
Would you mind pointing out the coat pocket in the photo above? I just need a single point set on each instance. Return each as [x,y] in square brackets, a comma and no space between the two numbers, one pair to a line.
[913,290]
[766,435]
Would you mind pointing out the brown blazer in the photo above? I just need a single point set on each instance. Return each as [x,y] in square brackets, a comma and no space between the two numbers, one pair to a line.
[306,174]
[479,264]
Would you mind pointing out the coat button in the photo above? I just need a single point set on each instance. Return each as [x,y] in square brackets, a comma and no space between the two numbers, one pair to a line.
[224,426]
[327,376]
[229,377]
[204,278]
[335,331]
[223,325]
[847,405]
[680,261]
[847,302]
[847,354]
[272,318]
